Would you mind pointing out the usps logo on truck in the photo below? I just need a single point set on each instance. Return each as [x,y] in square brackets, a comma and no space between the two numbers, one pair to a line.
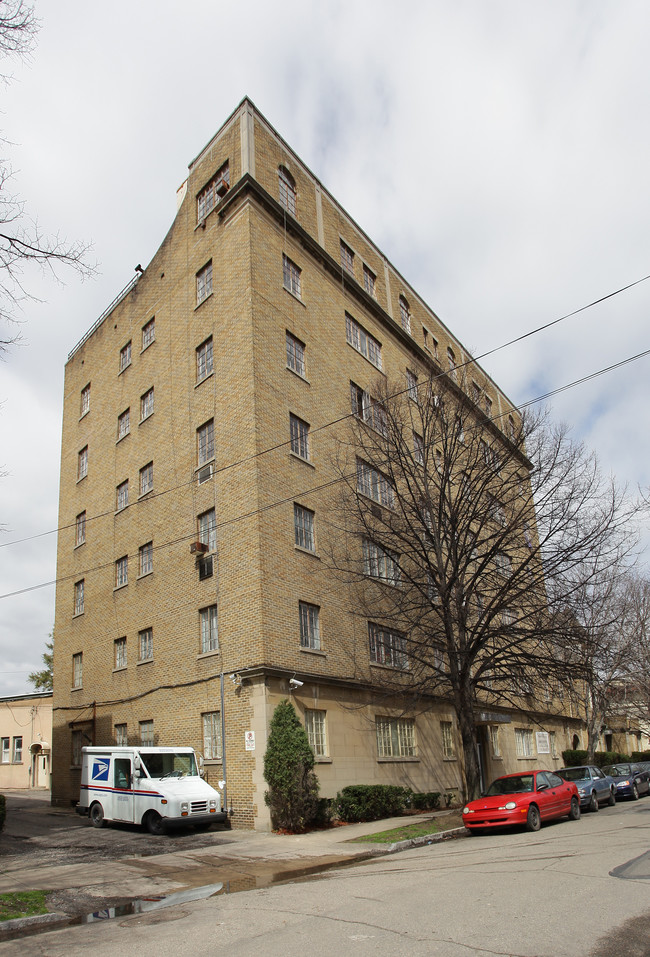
[101,768]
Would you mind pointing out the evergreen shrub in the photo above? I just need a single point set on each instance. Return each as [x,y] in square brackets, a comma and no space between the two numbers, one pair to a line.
[288,770]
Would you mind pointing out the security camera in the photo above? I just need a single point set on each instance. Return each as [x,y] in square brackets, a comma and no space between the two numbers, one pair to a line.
[235,679]
[294,683]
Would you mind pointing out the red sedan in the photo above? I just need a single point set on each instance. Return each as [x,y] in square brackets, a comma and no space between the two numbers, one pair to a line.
[523,800]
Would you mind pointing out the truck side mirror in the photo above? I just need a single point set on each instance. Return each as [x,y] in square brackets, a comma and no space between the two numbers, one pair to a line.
[136,762]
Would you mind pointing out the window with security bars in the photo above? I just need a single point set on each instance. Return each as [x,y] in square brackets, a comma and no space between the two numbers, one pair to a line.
[315,728]
[204,283]
[77,670]
[119,647]
[123,424]
[370,410]
[205,442]
[146,734]
[287,187]
[209,196]
[299,436]
[121,737]
[291,276]
[145,559]
[369,281]
[303,523]
[122,571]
[122,495]
[387,647]
[524,742]
[207,529]
[309,626]
[125,356]
[145,644]
[347,257]
[373,484]
[204,359]
[362,341]
[380,563]
[146,404]
[148,333]
[212,736]
[295,355]
[85,400]
[80,529]
[447,735]
[404,313]
[209,629]
[146,478]
[82,463]
[395,737]
[79,597]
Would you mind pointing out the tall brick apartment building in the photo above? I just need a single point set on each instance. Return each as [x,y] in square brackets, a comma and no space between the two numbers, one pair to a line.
[196,487]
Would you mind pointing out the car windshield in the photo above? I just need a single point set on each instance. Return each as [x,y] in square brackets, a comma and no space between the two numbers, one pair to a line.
[170,764]
[574,774]
[618,770]
[518,784]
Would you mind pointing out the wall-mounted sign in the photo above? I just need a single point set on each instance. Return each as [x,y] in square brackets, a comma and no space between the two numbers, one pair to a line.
[543,742]
[249,740]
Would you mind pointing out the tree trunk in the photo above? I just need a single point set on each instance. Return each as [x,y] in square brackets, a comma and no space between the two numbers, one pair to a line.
[467,726]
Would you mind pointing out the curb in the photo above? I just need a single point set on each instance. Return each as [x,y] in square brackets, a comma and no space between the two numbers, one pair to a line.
[454,832]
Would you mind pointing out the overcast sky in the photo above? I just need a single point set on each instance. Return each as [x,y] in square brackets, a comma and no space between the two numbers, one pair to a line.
[497,153]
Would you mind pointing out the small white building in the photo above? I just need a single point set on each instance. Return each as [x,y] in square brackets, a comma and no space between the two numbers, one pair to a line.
[25,736]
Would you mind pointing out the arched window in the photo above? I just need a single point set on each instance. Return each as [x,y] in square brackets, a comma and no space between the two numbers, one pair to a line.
[287,190]
[404,313]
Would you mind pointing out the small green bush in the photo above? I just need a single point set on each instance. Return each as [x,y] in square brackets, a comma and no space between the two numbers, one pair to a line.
[601,758]
[428,801]
[370,802]
[3,810]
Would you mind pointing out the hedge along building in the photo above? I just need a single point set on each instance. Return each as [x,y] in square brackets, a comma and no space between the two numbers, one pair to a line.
[197,477]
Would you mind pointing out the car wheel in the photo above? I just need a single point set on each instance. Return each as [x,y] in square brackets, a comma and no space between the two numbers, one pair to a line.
[593,802]
[96,815]
[635,793]
[533,821]
[154,823]
[574,813]
[612,798]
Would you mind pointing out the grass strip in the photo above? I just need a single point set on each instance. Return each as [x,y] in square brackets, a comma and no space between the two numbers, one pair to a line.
[22,904]
[406,832]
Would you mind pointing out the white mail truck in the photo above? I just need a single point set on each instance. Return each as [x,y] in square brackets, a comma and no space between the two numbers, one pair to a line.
[155,787]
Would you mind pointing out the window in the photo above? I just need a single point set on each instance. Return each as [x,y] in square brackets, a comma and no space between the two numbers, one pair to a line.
[82,464]
[146,404]
[418,448]
[206,568]
[212,736]
[365,407]
[122,495]
[123,424]
[125,356]
[77,670]
[80,529]
[295,355]
[205,442]
[451,359]
[204,360]
[387,647]
[494,741]
[447,735]
[146,478]
[309,626]
[145,644]
[148,333]
[503,563]
[511,429]
[76,741]
[79,597]
[209,629]
[553,744]
[412,385]
[299,437]
[369,281]
[476,393]
[204,283]
[122,571]
[404,313]
[17,756]
[347,257]
[303,523]
[524,742]
[146,734]
[315,728]
[145,559]
[497,511]
[488,406]
[372,483]
[362,341]
[287,185]
[380,563]
[121,738]
[207,529]
[395,737]
[291,276]
[209,196]
[119,647]
[5,751]
[85,400]
[490,455]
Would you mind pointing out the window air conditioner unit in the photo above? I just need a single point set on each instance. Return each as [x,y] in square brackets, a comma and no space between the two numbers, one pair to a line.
[198,548]
[204,474]
[221,186]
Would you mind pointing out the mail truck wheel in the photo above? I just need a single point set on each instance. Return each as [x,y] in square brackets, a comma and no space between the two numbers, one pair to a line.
[96,815]
[154,823]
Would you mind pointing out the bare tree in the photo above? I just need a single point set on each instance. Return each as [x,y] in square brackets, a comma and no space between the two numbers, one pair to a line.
[464,536]
[21,240]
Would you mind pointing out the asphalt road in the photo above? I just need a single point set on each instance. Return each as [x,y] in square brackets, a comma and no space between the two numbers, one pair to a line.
[574,889]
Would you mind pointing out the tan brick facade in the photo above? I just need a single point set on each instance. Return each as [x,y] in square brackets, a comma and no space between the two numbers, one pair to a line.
[259,575]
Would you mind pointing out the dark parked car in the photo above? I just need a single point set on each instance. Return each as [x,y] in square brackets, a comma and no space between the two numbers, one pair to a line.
[594,787]
[631,780]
